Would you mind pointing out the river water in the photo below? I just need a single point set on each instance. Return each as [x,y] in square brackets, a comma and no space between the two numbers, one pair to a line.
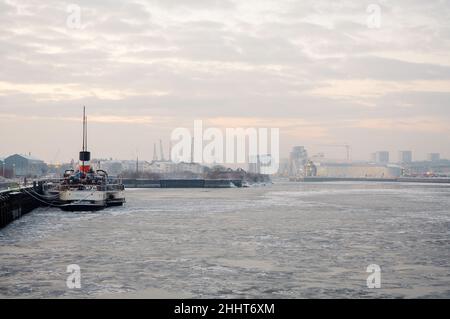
[287,240]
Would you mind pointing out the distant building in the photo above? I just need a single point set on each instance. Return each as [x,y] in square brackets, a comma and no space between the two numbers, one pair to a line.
[310,169]
[25,165]
[405,157]
[382,157]
[297,160]
[194,168]
[283,169]
[163,167]
[2,167]
[434,157]
[426,168]
[57,170]
[128,165]
[260,164]
[112,167]
[358,170]
[254,165]
[169,167]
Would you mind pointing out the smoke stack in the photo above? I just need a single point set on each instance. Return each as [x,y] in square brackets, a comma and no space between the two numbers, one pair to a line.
[161,150]
[192,150]
[155,156]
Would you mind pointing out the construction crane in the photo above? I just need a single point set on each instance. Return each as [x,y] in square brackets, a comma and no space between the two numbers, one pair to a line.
[346,146]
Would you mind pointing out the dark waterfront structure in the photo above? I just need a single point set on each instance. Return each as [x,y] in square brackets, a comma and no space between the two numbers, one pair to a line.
[16,203]
[181,183]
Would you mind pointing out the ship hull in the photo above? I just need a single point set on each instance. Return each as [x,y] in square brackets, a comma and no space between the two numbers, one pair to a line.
[90,200]
[114,203]
[78,200]
[81,207]
[115,198]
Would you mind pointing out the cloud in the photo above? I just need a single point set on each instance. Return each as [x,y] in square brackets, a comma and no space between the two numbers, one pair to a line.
[297,64]
[413,125]
[93,118]
[374,88]
[72,91]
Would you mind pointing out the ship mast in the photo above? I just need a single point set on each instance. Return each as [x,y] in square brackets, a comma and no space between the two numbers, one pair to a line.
[84,129]
[85,155]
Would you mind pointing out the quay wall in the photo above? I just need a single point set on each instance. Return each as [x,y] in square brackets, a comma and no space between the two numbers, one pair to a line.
[14,204]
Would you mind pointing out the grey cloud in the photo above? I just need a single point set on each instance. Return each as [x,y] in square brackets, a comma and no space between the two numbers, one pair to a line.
[225,58]
[390,69]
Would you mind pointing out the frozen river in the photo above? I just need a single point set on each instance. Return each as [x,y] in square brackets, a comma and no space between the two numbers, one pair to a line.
[287,240]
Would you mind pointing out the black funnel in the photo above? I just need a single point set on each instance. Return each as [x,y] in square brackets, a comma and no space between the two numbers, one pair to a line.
[85,156]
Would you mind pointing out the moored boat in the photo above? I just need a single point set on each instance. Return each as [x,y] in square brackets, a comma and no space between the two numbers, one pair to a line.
[86,188]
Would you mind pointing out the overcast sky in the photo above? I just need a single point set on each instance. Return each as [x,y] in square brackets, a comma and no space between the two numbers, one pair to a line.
[312,68]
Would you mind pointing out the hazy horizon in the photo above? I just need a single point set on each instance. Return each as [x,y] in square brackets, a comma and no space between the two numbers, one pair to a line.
[314,69]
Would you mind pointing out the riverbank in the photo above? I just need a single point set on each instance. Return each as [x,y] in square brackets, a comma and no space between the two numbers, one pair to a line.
[372,179]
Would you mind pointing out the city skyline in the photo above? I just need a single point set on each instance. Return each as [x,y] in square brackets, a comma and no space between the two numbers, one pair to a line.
[398,158]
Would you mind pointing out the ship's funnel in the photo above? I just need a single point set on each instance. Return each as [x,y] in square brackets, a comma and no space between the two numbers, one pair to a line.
[85,156]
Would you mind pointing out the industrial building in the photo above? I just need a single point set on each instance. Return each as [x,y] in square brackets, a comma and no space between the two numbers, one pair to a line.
[427,168]
[297,160]
[358,170]
[25,165]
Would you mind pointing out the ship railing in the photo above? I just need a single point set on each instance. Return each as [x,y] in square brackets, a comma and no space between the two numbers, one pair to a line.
[64,187]
[66,184]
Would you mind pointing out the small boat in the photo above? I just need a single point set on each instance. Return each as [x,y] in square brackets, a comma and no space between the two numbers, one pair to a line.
[86,188]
